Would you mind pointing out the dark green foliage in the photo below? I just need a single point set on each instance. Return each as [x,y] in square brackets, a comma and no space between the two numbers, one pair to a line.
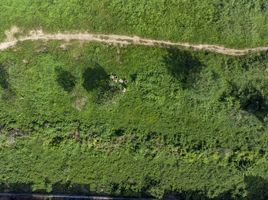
[257,188]
[65,79]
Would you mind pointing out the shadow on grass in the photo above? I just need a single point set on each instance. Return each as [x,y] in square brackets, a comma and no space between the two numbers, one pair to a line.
[65,79]
[183,66]
[250,99]
[256,188]
[4,78]
[97,81]
[95,77]
[8,93]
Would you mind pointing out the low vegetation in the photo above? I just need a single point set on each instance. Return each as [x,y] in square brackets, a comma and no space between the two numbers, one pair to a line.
[189,124]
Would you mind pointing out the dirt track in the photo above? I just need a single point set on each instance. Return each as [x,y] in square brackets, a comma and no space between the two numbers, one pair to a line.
[11,41]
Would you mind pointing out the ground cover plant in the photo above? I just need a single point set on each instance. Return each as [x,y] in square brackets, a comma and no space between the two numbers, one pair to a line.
[183,123]
[229,22]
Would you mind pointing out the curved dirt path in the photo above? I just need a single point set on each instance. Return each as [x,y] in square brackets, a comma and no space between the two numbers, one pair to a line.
[12,41]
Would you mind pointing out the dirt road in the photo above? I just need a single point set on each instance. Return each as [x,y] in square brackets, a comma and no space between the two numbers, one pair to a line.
[12,41]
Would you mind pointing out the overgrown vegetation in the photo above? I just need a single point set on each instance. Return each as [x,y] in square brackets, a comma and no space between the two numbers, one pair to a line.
[229,22]
[190,124]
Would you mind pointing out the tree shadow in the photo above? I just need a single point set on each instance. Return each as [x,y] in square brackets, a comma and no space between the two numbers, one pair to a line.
[8,93]
[70,188]
[256,61]
[96,80]
[183,66]
[24,191]
[256,188]
[65,79]
[187,195]
[255,104]
[4,78]
[95,77]
[16,187]
[250,99]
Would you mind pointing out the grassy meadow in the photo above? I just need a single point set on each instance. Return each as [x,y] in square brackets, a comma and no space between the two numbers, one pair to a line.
[189,123]
[229,22]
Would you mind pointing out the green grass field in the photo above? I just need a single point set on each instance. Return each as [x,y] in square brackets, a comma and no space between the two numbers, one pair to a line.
[229,22]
